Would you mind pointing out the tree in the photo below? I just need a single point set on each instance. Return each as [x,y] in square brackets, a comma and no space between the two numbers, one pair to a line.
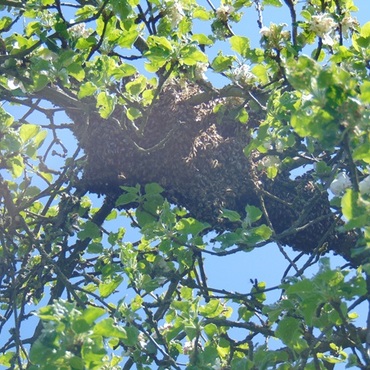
[197,143]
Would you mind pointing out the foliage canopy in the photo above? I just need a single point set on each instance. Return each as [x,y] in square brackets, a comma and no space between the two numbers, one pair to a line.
[200,142]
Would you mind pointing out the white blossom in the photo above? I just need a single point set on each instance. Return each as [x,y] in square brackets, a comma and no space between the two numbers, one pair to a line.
[267,144]
[348,24]
[285,35]
[323,25]
[364,185]
[79,31]
[224,11]
[270,161]
[166,326]
[174,12]
[243,75]
[48,55]
[142,340]
[340,183]
[200,70]
[217,365]
[14,84]
[188,347]
[265,31]
[279,146]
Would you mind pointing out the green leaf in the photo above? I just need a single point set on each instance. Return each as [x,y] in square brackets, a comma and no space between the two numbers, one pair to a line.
[350,204]
[108,329]
[6,21]
[365,91]
[122,8]
[230,238]
[301,72]
[28,131]
[77,71]
[190,55]
[162,42]
[86,89]
[133,113]
[190,226]
[89,230]
[240,44]
[212,309]
[222,63]
[126,199]
[145,217]
[288,330]
[231,215]
[261,72]
[245,313]
[39,138]
[86,43]
[201,13]
[127,39]
[243,115]
[95,248]
[6,358]
[277,3]
[39,81]
[132,336]
[153,188]
[16,165]
[263,232]
[365,30]
[354,210]
[106,288]
[124,70]
[106,103]
[137,86]
[91,313]
[202,39]
[211,330]
[272,172]
[253,213]
[362,152]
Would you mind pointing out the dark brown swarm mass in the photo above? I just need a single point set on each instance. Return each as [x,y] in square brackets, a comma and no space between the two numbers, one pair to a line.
[197,156]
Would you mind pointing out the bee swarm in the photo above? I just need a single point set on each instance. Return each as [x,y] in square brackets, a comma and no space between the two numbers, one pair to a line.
[199,160]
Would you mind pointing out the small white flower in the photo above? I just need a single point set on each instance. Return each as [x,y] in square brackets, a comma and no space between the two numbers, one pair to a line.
[243,75]
[142,340]
[188,347]
[323,25]
[224,11]
[79,31]
[274,35]
[217,365]
[174,12]
[166,326]
[340,183]
[265,31]
[270,161]
[14,84]
[306,97]
[48,55]
[348,24]
[364,185]
[267,145]
[279,146]
[200,70]
[285,35]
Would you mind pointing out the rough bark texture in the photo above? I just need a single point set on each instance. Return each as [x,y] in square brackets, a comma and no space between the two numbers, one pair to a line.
[197,157]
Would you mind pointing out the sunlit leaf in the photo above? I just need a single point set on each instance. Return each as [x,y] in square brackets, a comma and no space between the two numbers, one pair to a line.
[240,44]
[107,328]
[106,288]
